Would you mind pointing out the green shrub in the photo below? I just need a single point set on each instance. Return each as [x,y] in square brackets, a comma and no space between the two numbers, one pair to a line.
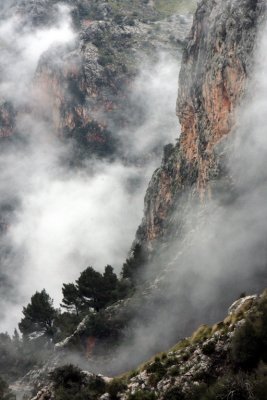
[208,348]
[170,362]
[115,387]
[96,385]
[68,376]
[157,368]
[163,356]
[133,374]
[234,387]
[174,393]
[71,383]
[246,347]
[196,392]
[153,380]
[142,395]
[185,356]
[174,371]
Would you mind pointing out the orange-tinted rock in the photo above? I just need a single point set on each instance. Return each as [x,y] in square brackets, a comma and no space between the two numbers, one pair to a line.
[214,72]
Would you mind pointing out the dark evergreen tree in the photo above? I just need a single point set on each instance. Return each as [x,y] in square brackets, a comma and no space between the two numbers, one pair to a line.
[92,290]
[110,285]
[38,315]
[72,300]
[90,287]
[110,278]
[133,264]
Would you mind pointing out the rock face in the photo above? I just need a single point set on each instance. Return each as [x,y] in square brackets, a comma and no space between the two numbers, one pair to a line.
[91,100]
[83,88]
[216,64]
[201,355]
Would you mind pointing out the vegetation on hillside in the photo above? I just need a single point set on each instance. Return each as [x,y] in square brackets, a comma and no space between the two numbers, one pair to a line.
[70,383]
[240,374]
[42,325]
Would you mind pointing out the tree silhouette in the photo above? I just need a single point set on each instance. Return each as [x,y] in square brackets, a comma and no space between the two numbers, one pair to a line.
[38,314]
[72,300]
[90,288]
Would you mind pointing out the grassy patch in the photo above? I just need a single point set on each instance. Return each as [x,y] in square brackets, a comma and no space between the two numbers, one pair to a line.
[182,345]
[202,333]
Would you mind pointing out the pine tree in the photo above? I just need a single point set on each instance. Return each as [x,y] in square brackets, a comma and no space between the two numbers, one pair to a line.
[90,287]
[110,285]
[134,263]
[38,314]
[72,300]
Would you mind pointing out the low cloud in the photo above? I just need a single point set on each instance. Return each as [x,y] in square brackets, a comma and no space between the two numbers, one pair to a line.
[222,252]
[62,219]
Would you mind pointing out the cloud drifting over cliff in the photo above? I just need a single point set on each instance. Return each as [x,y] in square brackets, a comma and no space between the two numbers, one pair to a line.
[63,219]
[222,252]
[66,219]
[155,91]
[21,48]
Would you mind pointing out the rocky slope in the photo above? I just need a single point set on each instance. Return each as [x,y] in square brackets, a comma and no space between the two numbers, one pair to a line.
[190,367]
[216,64]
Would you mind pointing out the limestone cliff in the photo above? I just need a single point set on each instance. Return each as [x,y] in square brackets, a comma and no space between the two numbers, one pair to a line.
[216,64]
[90,93]
[83,89]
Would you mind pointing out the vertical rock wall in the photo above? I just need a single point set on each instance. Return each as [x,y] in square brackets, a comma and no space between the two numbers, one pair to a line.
[216,64]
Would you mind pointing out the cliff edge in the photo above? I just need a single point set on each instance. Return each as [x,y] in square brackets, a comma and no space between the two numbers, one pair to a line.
[217,61]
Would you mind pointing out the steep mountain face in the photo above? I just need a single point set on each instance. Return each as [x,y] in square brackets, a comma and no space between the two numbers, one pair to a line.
[216,63]
[83,88]
[184,279]
[67,72]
